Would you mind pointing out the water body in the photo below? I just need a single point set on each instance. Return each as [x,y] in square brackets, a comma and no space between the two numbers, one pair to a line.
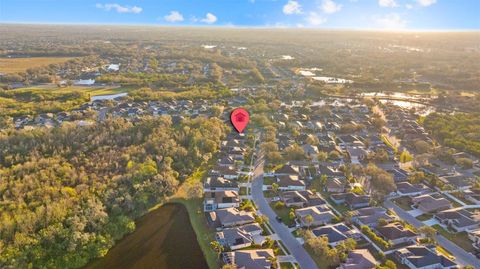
[163,239]
[108,97]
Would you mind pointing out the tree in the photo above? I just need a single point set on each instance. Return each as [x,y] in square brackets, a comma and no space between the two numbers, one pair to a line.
[381,182]
[275,187]
[382,222]
[217,247]
[422,146]
[294,152]
[428,232]
[308,220]
[292,215]
[465,163]
[417,177]
[279,205]
[322,156]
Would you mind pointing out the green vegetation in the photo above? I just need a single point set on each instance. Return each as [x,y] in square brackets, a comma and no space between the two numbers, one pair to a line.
[73,191]
[15,65]
[325,256]
[424,217]
[375,238]
[460,239]
[283,212]
[458,130]
[404,202]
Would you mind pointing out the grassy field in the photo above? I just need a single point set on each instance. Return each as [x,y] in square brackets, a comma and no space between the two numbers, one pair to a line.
[15,65]
[37,100]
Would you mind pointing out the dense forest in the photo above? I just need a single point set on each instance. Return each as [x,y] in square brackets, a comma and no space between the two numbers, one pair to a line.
[68,193]
[460,131]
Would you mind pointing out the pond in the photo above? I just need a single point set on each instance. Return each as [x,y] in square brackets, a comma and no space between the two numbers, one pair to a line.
[164,238]
[108,96]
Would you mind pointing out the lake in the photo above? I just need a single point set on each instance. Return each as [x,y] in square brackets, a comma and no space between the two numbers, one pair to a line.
[164,238]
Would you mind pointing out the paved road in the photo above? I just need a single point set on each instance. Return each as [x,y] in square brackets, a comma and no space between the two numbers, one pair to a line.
[294,247]
[462,257]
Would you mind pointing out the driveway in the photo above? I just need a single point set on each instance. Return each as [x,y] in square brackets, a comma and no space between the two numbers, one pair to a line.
[294,247]
[462,257]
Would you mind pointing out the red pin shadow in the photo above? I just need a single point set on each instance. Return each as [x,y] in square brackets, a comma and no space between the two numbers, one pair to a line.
[239,118]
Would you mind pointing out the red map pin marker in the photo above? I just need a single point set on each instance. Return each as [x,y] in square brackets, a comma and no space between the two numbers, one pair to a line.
[239,119]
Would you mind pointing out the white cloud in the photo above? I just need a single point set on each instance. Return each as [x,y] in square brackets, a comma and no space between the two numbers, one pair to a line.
[391,21]
[329,7]
[292,7]
[426,3]
[387,3]
[174,16]
[209,18]
[119,8]
[409,6]
[315,19]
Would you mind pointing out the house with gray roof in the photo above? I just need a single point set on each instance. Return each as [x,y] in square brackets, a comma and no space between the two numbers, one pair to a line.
[421,257]
[359,259]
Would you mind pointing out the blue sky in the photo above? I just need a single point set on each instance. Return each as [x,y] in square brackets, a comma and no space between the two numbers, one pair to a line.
[346,14]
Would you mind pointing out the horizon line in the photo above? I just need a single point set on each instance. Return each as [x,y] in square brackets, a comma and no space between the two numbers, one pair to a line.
[230,26]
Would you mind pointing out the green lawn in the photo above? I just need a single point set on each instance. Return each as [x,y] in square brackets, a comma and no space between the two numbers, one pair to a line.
[284,247]
[460,239]
[268,180]
[287,265]
[283,213]
[404,202]
[424,217]
[320,261]
[243,191]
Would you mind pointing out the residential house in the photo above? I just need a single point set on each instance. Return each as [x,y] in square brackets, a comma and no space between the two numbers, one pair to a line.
[396,233]
[301,198]
[352,200]
[226,161]
[460,220]
[250,259]
[321,215]
[458,181]
[369,216]
[240,237]
[290,182]
[359,259]
[335,185]
[356,154]
[219,184]
[220,199]
[229,217]
[227,172]
[337,233]
[421,257]
[429,204]
[287,170]
[408,189]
